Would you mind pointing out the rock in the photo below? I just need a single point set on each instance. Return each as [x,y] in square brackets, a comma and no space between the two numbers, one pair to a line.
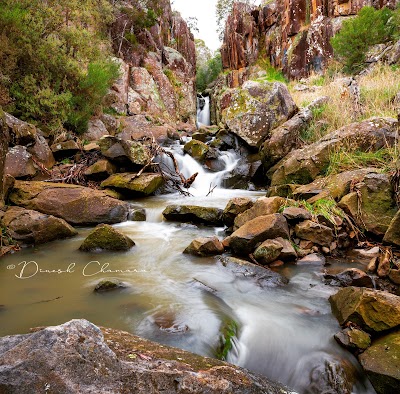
[314,232]
[194,214]
[243,270]
[302,166]
[255,109]
[234,207]
[371,205]
[205,247]
[392,234]
[76,204]
[373,310]
[32,227]
[105,237]
[394,276]
[22,133]
[244,240]
[197,149]
[293,214]
[268,251]
[350,277]
[96,130]
[109,285]
[312,258]
[166,321]
[381,362]
[65,149]
[128,183]
[288,252]
[263,206]
[4,141]
[137,215]
[100,170]
[69,357]
[41,151]
[353,339]
[19,163]
[384,263]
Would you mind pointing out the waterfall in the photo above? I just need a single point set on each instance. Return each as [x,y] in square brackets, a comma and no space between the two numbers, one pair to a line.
[203,111]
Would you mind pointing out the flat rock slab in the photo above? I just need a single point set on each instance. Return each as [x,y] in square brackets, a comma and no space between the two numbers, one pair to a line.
[133,185]
[68,358]
[193,214]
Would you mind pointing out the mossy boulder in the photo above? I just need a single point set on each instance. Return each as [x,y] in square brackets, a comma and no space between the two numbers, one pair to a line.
[133,185]
[374,311]
[107,285]
[105,237]
[197,149]
[193,214]
[381,362]
[353,339]
[268,251]
[392,234]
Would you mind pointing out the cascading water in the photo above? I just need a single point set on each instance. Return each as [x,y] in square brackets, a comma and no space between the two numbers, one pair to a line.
[203,111]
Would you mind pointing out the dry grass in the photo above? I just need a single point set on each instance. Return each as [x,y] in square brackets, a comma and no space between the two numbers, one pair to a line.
[378,88]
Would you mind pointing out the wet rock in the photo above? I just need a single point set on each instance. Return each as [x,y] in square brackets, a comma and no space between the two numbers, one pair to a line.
[314,232]
[75,204]
[243,270]
[133,185]
[381,362]
[312,258]
[373,310]
[353,339]
[69,358]
[167,321]
[263,206]
[105,237]
[197,149]
[19,163]
[100,170]
[194,214]
[137,215]
[268,251]
[392,234]
[244,240]
[205,247]
[109,285]
[32,227]
[350,277]
[254,109]
[288,252]
[65,149]
[234,207]
[294,214]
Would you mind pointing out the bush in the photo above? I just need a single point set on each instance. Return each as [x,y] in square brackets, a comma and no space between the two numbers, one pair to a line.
[358,34]
[208,72]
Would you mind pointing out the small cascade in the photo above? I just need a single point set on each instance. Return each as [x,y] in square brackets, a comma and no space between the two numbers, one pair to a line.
[203,111]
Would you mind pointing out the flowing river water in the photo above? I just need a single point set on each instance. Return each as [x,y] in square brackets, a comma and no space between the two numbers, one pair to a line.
[284,333]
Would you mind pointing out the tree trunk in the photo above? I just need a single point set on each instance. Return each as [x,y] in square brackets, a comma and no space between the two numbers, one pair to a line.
[4,141]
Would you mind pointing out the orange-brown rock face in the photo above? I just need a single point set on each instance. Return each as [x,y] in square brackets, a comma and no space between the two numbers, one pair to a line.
[294,34]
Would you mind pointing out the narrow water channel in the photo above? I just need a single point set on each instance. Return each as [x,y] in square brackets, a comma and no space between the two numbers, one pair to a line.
[284,333]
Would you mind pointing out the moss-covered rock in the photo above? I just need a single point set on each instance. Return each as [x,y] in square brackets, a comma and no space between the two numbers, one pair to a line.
[100,170]
[268,251]
[133,185]
[381,362]
[109,285]
[197,149]
[105,237]
[353,339]
[194,214]
[392,234]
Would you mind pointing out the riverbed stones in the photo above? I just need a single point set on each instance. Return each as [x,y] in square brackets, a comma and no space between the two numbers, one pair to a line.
[234,207]
[268,251]
[68,358]
[373,310]
[350,277]
[381,362]
[32,227]
[314,232]
[205,246]
[244,240]
[133,185]
[193,214]
[105,237]
[75,204]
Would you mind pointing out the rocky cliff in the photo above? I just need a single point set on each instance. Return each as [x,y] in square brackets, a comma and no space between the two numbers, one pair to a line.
[293,34]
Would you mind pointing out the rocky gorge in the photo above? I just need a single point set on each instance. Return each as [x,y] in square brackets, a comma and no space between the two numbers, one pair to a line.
[232,241]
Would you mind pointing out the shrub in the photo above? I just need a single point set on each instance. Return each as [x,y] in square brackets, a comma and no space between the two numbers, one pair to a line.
[209,72]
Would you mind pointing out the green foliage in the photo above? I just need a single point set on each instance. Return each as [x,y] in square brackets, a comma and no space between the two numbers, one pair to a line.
[229,330]
[317,128]
[273,74]
[208,73]
[358,34]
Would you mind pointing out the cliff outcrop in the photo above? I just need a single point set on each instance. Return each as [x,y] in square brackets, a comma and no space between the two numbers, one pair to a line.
[294,35]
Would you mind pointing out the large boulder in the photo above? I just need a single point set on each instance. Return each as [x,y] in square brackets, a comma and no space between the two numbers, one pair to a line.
[197,149]
[78,357]
[371,204]
[373,310]
[244,240]
[206,246]
[32,227]
[105,237]
[22,133]
[75,204]
[194,214]
[381,362]
[314,232]
[255,109]
[19,163]
[133,185]
[42,152]
[302,166]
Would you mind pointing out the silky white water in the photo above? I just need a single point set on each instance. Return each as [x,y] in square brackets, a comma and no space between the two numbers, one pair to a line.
[203,114]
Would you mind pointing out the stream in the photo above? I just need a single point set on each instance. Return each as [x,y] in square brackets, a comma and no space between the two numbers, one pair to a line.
[284,333]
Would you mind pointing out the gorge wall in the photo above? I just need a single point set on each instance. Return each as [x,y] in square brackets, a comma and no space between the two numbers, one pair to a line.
[293,34]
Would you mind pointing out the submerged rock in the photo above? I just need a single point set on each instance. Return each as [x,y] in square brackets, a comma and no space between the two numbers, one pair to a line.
[80,358]
[350,277]
[205,247]
[194,214]
[105,237]
[109,285]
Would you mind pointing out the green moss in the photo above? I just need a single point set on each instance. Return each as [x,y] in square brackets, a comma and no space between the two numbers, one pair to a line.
[229,330]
